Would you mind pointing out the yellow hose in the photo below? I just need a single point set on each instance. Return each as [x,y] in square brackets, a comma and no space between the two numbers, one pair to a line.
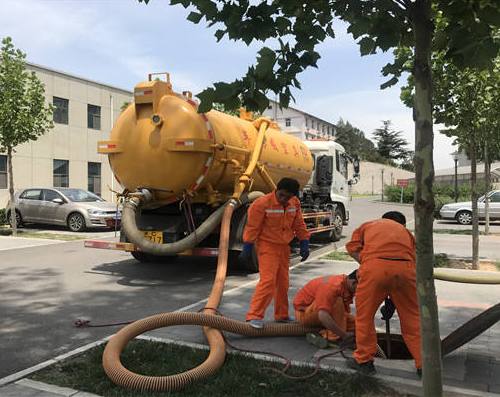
[212,326]
[467,276]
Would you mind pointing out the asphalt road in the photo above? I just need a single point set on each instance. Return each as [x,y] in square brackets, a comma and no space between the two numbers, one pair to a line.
[45,288]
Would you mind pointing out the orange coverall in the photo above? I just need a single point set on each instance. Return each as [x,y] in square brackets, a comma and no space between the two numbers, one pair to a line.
[328,293]
[379,278]
[271,227]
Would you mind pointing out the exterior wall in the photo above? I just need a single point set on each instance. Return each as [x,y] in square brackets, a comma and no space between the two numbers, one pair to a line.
[370,181]
[33,161]
[302,125]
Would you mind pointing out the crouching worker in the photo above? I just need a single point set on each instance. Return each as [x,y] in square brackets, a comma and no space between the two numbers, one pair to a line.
[273,221]
[326,301]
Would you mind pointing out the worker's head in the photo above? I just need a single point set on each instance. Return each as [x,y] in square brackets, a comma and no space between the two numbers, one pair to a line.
[395,216]
[352,281]
[286,189]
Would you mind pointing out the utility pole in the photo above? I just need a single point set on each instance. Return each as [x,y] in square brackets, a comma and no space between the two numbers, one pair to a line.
[382,184]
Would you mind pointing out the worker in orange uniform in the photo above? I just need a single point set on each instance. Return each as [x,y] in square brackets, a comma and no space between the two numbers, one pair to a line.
[326,301]
[385,250]
[273,221]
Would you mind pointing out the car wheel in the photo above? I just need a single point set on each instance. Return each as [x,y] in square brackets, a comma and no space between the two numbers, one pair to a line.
[19,219]
[464,217]
[76,222]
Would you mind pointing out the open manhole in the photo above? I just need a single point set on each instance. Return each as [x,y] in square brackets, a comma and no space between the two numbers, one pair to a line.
[393,346]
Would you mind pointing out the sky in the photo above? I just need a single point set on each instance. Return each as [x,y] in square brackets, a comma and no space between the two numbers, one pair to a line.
[118,42]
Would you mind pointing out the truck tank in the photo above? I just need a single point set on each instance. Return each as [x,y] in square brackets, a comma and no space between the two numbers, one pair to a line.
[161,143]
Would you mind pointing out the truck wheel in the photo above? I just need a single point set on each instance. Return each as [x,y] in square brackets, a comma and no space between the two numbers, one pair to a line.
[338,222]
[140,256]
[252,265]
[143,257]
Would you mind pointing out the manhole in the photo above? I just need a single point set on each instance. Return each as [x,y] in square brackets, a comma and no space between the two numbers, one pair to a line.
[398,349]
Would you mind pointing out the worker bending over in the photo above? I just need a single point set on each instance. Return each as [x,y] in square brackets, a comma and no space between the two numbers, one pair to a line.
[386,251]
[273,221]
[326,301]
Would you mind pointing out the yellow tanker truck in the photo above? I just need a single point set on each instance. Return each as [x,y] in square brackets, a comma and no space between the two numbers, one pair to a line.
[179,168]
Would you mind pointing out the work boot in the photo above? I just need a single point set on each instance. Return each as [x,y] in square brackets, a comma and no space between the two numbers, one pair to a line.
[367,368]
[317,340]
[289,319]
[256,323]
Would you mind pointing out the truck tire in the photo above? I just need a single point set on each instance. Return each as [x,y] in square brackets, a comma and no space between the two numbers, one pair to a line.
[338,221]
[143,257]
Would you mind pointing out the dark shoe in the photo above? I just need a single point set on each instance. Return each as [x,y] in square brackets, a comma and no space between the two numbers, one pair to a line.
[419,372]
[256,323]
[317,340]
[289,319]
[367,368]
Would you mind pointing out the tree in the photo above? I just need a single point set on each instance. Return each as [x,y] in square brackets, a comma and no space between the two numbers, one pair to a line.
[390,144]
[378,24]
[23,113]
[355,143]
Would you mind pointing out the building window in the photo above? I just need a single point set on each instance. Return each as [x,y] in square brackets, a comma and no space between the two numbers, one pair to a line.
[61,110]
[61,173]
[94,117]
[288,122]
[307,122]
[270,106]
[94,178]
[312,124]
[3,172]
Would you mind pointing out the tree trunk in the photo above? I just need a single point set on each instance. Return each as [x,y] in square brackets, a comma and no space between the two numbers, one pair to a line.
[424,201]
[11,191]
[473,180]
[487,178]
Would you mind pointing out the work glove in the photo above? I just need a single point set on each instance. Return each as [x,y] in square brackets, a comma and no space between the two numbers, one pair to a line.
[246,254]
[388,309]
[304,250]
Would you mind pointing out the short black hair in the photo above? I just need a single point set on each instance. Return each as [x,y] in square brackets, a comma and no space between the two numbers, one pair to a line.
[395,216]
[353,275]
[290,185]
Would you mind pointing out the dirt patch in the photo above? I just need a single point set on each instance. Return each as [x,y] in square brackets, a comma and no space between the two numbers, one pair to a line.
[461,264]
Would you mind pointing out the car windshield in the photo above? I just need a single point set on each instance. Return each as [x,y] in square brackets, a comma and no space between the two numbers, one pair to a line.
[81,196]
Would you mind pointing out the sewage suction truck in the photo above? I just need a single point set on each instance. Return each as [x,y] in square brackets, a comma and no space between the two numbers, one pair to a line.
[178,169]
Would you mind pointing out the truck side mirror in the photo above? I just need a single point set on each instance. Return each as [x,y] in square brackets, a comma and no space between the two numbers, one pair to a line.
[355,164]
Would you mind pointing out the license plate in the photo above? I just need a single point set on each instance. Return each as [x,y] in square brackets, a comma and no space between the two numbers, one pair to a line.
[155,237]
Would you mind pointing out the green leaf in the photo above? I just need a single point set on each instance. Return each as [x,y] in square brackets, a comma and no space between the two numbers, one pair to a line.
[266,62]
[367,46]
[219,34]
[194,17]
[206,98]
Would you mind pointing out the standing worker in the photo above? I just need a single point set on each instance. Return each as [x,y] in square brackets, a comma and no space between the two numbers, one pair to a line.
[385,250]
[273,221]
[326,301]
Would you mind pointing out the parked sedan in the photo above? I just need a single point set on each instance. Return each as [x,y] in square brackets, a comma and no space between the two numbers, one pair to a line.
[462,212]
[76,208]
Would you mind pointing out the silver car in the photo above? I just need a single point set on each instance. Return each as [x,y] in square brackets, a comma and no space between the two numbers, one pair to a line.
[76,208]
[462,212]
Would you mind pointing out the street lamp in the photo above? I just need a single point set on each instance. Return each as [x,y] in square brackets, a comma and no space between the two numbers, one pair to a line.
[455,159]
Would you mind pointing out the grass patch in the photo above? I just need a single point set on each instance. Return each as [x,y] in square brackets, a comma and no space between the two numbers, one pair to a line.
[239,376]
[338,256]
[51,236]
[496,264]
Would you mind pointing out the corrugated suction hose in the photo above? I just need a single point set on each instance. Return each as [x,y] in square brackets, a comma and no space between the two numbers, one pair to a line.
[212,324]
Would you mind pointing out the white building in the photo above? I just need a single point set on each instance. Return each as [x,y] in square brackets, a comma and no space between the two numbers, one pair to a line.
[66,156]
[300,124]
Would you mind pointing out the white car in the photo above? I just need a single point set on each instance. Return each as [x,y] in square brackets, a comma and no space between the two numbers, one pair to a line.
[462,212]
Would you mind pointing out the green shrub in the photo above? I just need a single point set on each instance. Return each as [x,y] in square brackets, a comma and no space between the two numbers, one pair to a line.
[439,201]
[3,216]
[393,193]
